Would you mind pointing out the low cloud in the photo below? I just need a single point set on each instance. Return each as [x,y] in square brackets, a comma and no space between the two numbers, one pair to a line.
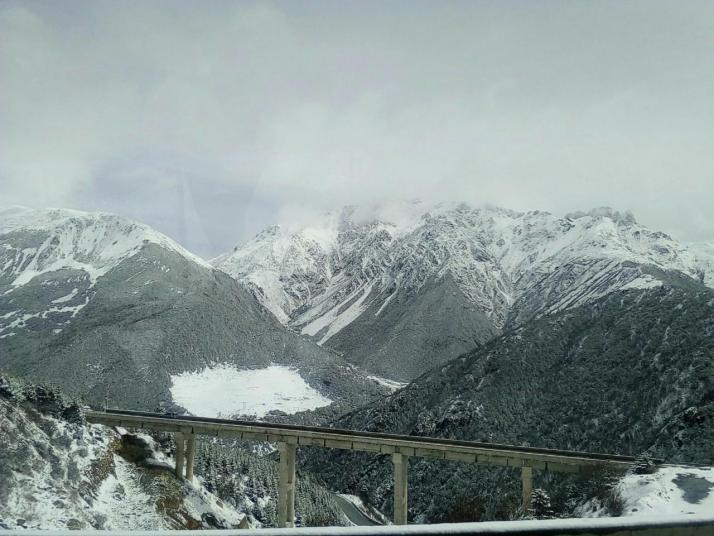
[210,120]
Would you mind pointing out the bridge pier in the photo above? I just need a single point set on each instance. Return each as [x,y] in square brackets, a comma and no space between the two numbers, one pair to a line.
[526,487]
[286,487]
[180,453]
[401,463]
[190,455]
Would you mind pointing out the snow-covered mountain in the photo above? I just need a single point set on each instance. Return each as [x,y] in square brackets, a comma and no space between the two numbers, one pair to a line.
[399,288]
[112,310]
[630,373]
[704,255]
[45,246]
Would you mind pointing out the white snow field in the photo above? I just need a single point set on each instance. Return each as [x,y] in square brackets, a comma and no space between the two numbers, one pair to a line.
[672,490]
[224,391]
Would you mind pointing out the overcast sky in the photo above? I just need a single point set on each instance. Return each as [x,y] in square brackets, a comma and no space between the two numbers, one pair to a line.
[211,119]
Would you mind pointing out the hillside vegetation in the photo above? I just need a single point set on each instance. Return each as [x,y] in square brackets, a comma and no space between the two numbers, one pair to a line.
[630,373]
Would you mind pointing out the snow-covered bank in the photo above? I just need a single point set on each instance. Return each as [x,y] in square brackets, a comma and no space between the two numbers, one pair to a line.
[224,391]
[64,474]
[671,490]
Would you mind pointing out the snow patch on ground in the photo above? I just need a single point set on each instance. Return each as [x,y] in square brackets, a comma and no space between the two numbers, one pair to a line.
[393,385]
[124,503]
[643,283]
[224,391]
[337,319]
[670,491]
[66,298]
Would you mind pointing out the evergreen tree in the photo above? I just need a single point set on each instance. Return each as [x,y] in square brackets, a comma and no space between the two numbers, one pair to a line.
[540,505]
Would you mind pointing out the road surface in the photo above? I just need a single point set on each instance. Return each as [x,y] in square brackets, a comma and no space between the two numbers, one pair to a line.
[353,513]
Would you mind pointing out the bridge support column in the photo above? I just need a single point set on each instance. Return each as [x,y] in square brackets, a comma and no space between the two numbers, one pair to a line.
[286,488]
[180,453]
[401,463]
[190,455]
[527,487]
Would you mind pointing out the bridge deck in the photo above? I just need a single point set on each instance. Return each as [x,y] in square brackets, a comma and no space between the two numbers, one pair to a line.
[400,447]
[378,443]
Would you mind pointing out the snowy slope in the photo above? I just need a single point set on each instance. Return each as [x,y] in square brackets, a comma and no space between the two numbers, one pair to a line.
[60,474]
[38,244]
[290,267]
[344,280]
[704,255]
[671,490]
[109,309]
[93,242]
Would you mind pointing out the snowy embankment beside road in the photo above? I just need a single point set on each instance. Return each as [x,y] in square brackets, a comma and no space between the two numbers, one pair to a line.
[60,474]
[671,490]
[224,391]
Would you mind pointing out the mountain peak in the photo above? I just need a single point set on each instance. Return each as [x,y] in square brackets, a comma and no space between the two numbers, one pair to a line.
[339,276]
[623,218]
[92,241]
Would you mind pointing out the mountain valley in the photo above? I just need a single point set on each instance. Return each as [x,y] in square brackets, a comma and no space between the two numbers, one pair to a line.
[631,373]
[110,310]
[586,332]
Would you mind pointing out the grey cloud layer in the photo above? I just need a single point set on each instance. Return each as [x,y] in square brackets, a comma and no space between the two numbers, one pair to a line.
[207,119]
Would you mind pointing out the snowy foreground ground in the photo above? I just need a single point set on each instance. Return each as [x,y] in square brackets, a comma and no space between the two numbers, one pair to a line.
[61,475]
[225,391]
[671,490]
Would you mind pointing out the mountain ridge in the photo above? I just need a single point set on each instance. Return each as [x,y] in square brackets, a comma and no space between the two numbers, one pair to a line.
[630,373]
[111,309]
[333,279]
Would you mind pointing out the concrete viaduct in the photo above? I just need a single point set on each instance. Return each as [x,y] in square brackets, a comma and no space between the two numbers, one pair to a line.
[399,447]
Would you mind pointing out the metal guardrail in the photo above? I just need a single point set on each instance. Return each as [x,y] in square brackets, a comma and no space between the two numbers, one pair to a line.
[632,526]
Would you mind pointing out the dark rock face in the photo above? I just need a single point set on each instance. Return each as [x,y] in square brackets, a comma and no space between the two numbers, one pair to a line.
[694,488]
[414,333]
[629,373]
[135,449]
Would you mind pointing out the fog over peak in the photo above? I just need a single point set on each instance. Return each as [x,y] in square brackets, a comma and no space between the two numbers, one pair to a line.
[212,120]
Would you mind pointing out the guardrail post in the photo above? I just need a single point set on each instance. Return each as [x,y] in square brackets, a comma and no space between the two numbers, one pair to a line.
[400,462]
[286,488]
[180,453]
[527,487]
[190,455]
